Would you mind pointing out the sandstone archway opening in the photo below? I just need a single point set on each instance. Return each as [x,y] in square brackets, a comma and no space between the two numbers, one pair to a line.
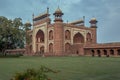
[112,52]
[88,37]
[40,37]
[78,38]
[118,51]
[50,35]
[51,48]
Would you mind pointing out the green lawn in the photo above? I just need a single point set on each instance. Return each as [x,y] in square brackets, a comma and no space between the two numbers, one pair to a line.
[71,68]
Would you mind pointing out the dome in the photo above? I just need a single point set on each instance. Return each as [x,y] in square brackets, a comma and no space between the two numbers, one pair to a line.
[58,10]
[28,22]
[93,19]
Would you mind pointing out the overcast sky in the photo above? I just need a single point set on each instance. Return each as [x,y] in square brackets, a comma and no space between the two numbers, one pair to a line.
[107,12]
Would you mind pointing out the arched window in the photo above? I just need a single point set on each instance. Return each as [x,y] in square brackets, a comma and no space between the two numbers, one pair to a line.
[105,52]
[50,47]
[112,52]
[50,35]
[88,37]
[99,53]
[67,47]
[93,52]
[40,36]
[67,35]
[78,38]
[118,51]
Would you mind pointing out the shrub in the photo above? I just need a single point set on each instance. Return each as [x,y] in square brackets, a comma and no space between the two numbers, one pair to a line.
[32,74]
[10,55]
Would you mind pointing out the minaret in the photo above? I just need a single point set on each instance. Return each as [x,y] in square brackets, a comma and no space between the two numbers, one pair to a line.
[93,26]
[58,15]
[58,33]
[93,23]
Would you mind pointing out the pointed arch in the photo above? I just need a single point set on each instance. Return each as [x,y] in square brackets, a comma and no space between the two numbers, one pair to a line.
[99,53]
[40,36]
[67,35]
[78,38]
[118,52]
[89,37]
[112,52]
[105,52]
[50,35]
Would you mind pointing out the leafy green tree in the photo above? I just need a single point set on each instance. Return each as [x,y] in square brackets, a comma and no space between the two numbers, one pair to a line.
[12,33]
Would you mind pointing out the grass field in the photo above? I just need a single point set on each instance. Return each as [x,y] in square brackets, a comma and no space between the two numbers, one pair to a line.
[71,68]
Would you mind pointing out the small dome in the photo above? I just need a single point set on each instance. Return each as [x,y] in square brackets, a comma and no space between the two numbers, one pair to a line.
[28,22]
[58,10]
[93,19]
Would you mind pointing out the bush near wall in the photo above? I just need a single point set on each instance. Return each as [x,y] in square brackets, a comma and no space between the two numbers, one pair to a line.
[32,74]
[10,55]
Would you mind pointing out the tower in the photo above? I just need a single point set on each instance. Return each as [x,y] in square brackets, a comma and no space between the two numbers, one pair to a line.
[58,32]
[28,38]
[93,23]
[93,26]
[58,15]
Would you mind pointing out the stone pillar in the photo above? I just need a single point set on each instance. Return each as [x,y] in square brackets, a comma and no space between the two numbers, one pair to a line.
[108,52]
[115,52]
[95,52]
[101,52]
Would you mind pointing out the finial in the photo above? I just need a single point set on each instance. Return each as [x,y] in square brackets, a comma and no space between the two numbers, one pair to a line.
[48,10]
[84,18]
[33,15]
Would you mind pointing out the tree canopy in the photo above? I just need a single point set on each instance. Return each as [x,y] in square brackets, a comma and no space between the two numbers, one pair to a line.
[12,33]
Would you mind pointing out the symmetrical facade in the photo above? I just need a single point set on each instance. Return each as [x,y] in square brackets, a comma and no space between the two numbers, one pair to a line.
[63,39]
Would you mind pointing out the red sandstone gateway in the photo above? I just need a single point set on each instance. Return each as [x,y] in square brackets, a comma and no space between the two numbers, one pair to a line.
[63,39]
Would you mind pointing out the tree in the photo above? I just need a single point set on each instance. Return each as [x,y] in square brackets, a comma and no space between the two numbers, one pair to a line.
[12,33]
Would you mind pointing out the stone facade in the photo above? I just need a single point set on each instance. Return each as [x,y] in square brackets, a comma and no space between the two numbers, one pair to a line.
[63,39]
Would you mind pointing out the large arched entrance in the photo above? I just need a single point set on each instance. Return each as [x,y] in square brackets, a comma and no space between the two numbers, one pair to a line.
[78,38]
[40,37]
[78,41]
